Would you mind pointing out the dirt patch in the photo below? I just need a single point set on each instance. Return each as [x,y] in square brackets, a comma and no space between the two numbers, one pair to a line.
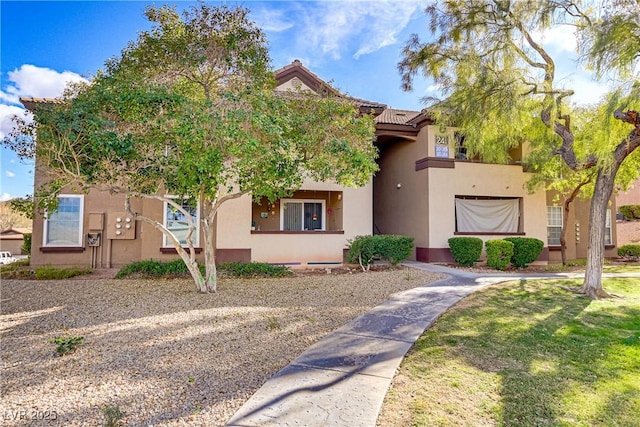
[163,353]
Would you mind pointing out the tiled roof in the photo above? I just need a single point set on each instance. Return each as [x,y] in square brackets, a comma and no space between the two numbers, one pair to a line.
[296,69]
[397,117]
[30,103]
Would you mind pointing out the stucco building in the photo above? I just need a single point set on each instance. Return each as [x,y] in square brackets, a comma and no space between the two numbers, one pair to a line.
[427,188]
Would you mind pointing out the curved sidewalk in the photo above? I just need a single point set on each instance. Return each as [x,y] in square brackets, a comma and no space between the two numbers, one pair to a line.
[342,379]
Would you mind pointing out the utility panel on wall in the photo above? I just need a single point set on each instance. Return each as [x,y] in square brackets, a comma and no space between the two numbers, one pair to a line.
[121,226]
[96,221]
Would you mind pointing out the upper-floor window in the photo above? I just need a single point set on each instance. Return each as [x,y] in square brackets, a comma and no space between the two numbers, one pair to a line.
[608,239]
[554,225]
[64,226]
[176,222]
[302,215]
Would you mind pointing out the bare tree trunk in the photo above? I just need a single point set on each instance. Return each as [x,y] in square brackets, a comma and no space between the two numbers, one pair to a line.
[211,278]
[189,259]
[592,286]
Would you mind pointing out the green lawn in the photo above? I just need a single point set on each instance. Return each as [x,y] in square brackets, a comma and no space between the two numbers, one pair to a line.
[525,354]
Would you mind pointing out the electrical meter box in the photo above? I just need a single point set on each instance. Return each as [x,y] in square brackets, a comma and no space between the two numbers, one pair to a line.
[121,226]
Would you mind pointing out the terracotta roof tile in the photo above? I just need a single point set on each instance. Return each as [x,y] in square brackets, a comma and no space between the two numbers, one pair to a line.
[296,69]
[397,117]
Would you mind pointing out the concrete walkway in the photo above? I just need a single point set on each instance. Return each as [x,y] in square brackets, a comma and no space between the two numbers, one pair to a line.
[342,379]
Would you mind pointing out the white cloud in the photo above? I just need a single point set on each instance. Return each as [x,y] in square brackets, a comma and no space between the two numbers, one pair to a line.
[5,196]
[561,37]
[10,174]
[39,82]
[6,114]
[361,27]
[272,20]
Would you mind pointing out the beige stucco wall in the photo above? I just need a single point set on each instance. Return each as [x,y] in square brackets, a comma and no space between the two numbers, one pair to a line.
[405,209]
[294,85]
[297,248]
[481,179]
[578,229]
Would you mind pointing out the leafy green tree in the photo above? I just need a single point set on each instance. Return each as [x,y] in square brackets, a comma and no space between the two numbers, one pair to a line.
[551,171]
[190,110]
[23,205]
[502,90]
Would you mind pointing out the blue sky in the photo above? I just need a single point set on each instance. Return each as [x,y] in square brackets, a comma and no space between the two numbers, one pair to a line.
[354,44]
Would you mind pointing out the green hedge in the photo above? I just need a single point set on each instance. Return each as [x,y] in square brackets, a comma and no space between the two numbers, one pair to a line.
[394,248]
[499,253]
[630,212]
[254,269]
[465,250]
[525,250]
[151,268]
[629,251]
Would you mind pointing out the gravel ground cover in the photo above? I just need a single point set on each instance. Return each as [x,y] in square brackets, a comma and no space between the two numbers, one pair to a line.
[159,351]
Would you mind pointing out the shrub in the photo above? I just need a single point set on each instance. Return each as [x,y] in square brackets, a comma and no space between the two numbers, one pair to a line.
[465,250]
[499,253]
[362,250]
[630,212]
[67,345]
[151,268]
[113,416]
[254,269]
[629,251]
[525,250]
[26,244]
[394,248]
[48,272]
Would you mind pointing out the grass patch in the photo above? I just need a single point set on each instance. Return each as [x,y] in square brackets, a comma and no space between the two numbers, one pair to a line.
[523,354]
[632,267]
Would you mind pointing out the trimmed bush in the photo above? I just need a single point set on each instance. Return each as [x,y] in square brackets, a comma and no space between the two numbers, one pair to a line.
[51,273]
[499,253]
[630,212]
[394,248]
[465,250]
[151,268]
[254,269]
[362,250]
[629,251]
[525,250]
[177,268]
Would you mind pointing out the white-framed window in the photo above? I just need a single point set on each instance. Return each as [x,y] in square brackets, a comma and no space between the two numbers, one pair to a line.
[177,223]
[64,226]
[302,215]
[608,240]
[554,225]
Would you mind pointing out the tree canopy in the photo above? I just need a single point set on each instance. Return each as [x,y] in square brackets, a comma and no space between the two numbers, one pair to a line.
[500,87]
[190,110]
